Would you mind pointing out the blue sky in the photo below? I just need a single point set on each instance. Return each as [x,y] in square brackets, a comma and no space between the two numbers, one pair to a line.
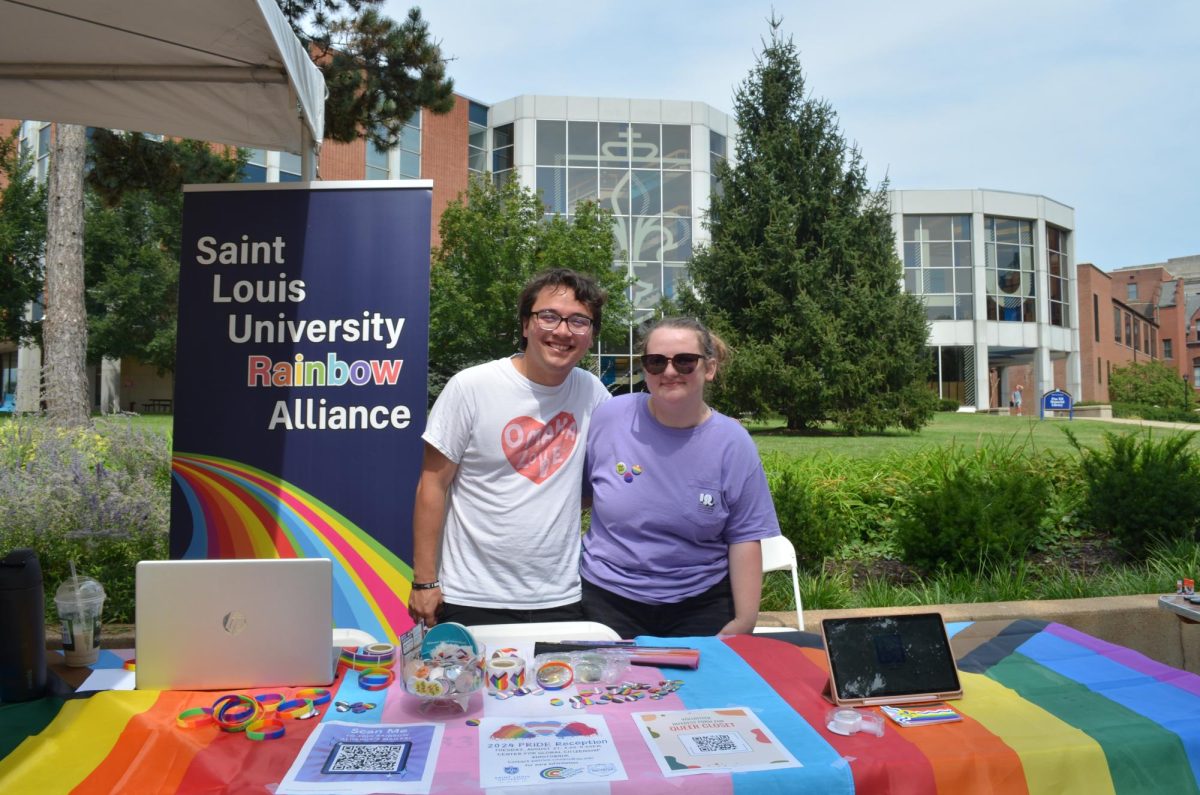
[1093,104]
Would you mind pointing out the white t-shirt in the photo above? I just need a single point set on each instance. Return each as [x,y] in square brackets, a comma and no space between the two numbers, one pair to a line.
[511,537]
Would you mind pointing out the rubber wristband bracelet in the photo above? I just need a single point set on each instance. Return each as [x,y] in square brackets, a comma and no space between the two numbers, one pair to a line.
[294,708]
[426,586]
[268,729]
[376,678]
[194,717]
[318,695]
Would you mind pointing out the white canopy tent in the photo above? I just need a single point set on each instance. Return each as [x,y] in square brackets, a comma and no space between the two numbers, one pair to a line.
[229,71]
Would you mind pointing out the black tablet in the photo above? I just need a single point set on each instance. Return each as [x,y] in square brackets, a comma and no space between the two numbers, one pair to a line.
[897,659]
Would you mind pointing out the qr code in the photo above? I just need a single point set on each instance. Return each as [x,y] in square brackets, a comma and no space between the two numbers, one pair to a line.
[715,743]
[367,758]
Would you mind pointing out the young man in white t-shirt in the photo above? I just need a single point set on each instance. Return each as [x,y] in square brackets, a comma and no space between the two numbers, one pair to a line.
[496,519]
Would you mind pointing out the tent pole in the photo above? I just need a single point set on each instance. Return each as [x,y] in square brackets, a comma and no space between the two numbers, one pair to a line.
[308,155]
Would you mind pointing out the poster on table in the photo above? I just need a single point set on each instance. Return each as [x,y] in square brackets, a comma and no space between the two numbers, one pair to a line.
[530,752]
[688,742]
[300,383]
[351,759]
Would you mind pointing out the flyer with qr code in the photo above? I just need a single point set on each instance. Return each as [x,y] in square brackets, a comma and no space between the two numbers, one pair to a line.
[687,742]
[342,758]
[535,751]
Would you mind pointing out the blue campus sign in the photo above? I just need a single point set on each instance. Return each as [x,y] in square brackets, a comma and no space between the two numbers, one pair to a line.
[300,391]
[1057,400]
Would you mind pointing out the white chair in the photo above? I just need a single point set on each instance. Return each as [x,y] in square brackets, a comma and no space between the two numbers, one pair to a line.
[778,554]
[553,631]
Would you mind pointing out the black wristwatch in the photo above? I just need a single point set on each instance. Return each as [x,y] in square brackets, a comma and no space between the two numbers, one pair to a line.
[426,586]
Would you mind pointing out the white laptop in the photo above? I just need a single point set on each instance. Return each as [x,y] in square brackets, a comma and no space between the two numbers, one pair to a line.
[231,624]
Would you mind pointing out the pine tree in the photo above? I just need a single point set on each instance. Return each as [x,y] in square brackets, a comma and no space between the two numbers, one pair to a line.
[378,72]
[802,275]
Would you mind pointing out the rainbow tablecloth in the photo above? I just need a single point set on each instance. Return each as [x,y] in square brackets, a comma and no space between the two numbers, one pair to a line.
[1047,709]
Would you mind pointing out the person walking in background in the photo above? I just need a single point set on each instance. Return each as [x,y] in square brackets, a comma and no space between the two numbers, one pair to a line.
[1016,399]
[497,515]
[679,500]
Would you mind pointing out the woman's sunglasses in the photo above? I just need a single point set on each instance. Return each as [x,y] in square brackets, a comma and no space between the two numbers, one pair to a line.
[656,363]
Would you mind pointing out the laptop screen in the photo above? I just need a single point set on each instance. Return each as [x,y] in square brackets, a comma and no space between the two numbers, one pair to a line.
[890,658]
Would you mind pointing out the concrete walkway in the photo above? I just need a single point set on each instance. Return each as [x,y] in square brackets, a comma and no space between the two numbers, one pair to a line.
[1179,426]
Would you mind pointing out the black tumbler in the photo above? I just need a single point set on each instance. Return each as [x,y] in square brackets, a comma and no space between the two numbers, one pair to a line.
[22,627]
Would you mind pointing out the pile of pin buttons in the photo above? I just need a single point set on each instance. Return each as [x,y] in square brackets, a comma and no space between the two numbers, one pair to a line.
[602,694]
[358,707]
[525,690]
[444,676]
[622,693]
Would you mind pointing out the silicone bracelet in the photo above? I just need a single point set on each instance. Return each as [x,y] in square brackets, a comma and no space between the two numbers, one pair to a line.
[234,712]
[294,708]
[376,678]
[267,729]
[426,586]
[318,695]
[194,718]
[269,701]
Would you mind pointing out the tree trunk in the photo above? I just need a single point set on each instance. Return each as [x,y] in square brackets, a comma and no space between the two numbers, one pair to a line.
[64,329]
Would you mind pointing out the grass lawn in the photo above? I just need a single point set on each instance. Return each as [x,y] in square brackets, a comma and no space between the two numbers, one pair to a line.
[161,423]
[966,430]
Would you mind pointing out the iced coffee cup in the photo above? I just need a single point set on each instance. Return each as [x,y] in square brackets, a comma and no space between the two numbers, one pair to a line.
[80,601]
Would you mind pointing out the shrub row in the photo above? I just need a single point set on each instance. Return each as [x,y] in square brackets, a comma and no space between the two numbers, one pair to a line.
[100,498]
[972,508]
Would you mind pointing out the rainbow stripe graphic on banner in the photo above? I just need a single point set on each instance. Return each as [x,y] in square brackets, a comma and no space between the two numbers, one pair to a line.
[239,511]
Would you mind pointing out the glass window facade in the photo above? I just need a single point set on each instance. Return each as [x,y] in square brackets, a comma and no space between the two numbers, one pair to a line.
[641,173]
[8,374]
[952,374]
[938,263]
[503,140]
[402,160]
[1008,254]
[289,167]
[1058,264]
[477,138]
[255,169]
[266,165]
[377,162]
[43,151]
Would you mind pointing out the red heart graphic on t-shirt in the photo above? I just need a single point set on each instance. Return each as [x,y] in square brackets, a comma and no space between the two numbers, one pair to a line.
[535,450]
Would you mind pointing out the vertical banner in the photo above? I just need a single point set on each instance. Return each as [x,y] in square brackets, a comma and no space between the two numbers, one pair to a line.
[300,384]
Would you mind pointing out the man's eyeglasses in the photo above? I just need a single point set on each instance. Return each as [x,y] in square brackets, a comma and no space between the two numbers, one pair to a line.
[656,363]
[549,320]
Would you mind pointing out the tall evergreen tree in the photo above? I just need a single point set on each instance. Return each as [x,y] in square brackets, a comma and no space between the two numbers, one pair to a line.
[802,274]
[494,239]
[378,72]
[64,329]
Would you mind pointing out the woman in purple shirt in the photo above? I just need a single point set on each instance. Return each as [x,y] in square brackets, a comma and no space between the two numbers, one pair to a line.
[679,500]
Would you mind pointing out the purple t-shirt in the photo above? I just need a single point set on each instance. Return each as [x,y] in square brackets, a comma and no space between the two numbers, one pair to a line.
[668,502]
